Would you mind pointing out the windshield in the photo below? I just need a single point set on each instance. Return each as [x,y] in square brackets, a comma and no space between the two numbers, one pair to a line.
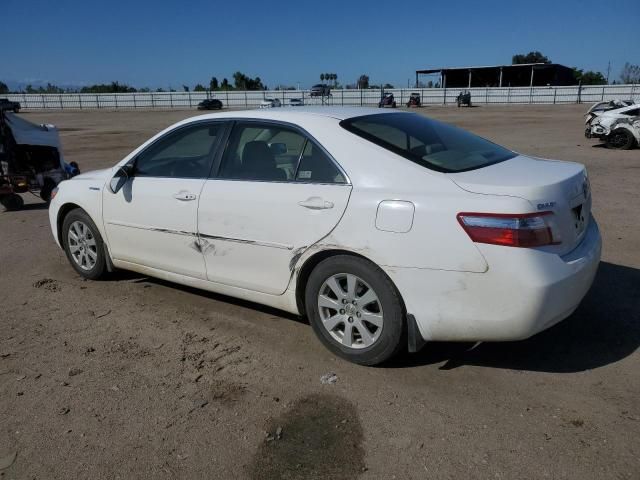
[429,143]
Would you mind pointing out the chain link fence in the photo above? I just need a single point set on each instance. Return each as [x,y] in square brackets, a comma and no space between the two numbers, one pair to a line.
[370,97]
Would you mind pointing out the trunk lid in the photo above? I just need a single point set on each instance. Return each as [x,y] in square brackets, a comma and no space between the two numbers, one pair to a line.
[549,185]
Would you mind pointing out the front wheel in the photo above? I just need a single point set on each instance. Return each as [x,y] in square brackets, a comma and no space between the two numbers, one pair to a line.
[12,202]
[355,310]
[83,245]
[620,139]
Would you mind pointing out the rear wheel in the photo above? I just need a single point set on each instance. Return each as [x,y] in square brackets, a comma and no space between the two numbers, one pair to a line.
[83,244]
[47,188]
[12,202]
[621,139]
[355,310]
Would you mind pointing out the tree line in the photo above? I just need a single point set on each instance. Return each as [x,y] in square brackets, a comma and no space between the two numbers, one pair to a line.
[630,74]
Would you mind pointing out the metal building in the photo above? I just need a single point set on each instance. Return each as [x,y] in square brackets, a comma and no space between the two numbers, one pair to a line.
[521,75]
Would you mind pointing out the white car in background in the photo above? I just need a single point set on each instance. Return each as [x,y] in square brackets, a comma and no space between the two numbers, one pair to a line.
[296,102]
[619,128]
[270,103]
[386,229]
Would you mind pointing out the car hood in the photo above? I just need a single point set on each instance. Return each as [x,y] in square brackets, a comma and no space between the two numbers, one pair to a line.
[101,174]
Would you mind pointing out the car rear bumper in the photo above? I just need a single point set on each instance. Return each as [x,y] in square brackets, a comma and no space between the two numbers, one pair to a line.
[524,292]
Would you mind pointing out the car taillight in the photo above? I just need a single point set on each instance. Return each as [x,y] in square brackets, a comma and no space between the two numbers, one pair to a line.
[54,192]
[512,230]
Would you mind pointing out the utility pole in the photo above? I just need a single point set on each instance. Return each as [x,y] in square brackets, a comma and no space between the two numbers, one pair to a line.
[608,71]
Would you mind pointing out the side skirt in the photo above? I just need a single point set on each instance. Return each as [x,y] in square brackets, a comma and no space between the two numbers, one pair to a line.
[286,301]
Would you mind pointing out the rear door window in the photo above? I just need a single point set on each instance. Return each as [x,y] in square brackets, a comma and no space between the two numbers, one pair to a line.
[276,153]
[317,167]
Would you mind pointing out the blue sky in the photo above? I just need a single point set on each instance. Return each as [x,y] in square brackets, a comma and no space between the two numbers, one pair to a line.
[161,43]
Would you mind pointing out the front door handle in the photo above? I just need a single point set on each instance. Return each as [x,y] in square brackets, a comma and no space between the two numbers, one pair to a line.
[315,203]
[184,196]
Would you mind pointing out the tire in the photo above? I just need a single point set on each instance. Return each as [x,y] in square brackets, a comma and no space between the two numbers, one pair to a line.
[393,105]
[368,344]
[621,139]
[12,202]
[81,262]
[47,188]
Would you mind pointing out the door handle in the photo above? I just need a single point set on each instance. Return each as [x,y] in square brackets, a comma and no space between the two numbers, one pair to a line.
[184,196]
[315,203]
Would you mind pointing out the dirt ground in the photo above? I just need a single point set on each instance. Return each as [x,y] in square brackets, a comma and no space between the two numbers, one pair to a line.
[136,378]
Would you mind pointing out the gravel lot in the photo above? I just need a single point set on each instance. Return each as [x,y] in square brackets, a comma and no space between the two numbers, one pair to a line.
[136,378]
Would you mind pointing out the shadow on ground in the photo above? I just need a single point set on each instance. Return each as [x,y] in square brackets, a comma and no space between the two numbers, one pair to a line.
[604,330]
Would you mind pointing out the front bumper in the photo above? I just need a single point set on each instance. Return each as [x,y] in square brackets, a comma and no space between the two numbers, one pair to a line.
[524,292]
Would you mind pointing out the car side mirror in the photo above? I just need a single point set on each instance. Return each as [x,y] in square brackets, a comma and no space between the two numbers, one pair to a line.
[278,148]
[123,174]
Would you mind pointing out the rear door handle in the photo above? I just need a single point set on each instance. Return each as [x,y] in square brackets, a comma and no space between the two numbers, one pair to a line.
[315,203]
[184,196]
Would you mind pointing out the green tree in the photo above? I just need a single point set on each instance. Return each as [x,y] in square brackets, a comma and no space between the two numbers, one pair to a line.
[3,88]
[322,77]
[589,77]
[630,73]
[243,82]
[113,87]
[225,84]
[213,84]
[388,85]
[199,88]
[185,88]
[363,81]
[531,57]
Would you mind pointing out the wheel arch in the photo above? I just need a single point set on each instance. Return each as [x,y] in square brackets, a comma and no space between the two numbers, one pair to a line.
[310,263]
[63,211]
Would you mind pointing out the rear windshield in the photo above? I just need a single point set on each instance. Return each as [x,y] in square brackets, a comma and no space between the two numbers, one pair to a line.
[429,143]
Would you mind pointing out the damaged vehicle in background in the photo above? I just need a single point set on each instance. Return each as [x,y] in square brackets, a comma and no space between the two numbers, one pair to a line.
[599,107]
[386,229]
[30,160]
[619,128]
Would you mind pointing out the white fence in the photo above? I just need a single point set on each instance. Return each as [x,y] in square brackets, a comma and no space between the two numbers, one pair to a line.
[248,99]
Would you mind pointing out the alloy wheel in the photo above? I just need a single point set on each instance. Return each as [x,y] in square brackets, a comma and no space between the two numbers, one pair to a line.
[350,311]
[82,245]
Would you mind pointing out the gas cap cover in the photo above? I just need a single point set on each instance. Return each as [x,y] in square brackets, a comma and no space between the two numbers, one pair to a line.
[395,216]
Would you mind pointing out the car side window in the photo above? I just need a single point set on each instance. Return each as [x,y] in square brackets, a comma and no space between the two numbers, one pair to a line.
[316,167]
[263,152]
[184,153]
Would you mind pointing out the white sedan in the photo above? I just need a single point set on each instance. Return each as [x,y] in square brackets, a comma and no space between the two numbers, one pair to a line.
[386,229]
[270,103]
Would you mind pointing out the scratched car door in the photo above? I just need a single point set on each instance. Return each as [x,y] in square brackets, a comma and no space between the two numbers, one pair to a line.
[276,192]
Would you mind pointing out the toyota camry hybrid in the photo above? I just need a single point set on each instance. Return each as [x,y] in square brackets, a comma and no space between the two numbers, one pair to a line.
[386,229]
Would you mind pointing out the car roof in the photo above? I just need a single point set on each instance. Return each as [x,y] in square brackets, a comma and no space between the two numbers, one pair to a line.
[284,114]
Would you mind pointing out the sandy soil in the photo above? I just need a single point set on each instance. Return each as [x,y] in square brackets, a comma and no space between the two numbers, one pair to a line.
[135,378]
